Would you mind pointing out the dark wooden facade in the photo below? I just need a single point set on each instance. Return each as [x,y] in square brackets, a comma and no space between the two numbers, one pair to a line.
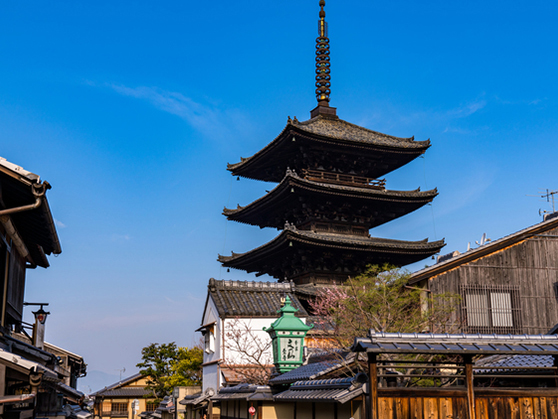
[506,286]
[458,387]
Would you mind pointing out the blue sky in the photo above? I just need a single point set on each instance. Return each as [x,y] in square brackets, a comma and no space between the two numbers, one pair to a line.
[131,110]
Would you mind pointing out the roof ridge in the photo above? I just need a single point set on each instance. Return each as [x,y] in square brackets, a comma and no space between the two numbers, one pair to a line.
[486,249]
[252,285]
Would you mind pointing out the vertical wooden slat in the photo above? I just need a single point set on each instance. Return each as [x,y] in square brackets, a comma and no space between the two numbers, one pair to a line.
[470,392]
[385,408]
[460,407]
[431,410]
[536,405]
[402,408]
[513,404]
[373,384]
[525,408]
[446,408]
[493,406]
[481,405]
[542,408]
[552,407]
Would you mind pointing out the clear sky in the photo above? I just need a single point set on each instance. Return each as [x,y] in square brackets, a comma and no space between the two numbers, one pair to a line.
[132,109]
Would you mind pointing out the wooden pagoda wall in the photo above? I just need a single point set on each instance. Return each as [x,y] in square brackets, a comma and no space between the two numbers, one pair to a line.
[530,266]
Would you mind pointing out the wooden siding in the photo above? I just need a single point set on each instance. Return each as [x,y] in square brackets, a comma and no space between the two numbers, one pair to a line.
[15,288]
[531,264]
[493,407]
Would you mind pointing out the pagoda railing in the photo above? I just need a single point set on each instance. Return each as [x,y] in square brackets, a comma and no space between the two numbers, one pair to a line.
[343,179]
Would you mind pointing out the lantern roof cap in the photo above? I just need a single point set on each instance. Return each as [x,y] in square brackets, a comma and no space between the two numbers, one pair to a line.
[288,321]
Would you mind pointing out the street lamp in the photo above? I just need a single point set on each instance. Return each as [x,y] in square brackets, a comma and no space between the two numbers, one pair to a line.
[287,336]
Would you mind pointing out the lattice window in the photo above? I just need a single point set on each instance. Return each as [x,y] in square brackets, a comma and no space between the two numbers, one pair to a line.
[119,408]
[491,309]
[151,407]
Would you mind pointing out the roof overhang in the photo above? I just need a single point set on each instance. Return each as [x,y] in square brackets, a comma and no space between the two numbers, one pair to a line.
[25,366]
[460,344]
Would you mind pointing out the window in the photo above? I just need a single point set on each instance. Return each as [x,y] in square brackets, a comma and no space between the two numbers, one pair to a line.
[209,338]
[491,309]
[119,409]
[150,407]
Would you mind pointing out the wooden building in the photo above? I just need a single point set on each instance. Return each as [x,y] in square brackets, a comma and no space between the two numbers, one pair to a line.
[509,285]
[115,401]
[330,194]
[453,385]
[36,378]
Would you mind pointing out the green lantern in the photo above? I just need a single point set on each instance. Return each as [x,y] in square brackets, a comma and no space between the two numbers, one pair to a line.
[287,336]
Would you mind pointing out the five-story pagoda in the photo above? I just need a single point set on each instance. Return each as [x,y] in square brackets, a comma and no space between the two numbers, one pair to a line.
[329,195]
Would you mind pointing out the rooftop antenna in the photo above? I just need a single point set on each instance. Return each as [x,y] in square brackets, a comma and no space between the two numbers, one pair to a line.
[549,195]
[121,370]
[483,240]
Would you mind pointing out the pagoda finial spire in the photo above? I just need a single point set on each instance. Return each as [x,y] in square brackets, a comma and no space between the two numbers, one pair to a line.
[323,77]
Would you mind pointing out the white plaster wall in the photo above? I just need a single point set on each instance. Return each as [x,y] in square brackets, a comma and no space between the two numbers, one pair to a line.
[211,316]
[211,377]
[252,328]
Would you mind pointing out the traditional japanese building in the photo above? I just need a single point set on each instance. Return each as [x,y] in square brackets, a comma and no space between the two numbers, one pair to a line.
[330,194]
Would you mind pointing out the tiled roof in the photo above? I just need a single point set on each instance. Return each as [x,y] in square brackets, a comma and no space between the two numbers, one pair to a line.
[522,362]
[338,129]
[123,392]
[334,390]
[333,137]
[470,344]
[369,250]
[120,385]
[333,364]
[343,130]
[245,392]
[307,372]
[251,298]
[269,210]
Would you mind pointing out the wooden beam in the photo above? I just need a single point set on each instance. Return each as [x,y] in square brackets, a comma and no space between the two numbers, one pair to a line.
[469,381]
[372,408]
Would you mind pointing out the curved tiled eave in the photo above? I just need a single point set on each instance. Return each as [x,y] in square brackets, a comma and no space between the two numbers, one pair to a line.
[294,192]
[292,247]
[36,227]
[380,153]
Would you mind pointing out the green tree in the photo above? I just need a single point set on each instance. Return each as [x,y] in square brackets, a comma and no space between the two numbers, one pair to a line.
[380,299]
[167,366]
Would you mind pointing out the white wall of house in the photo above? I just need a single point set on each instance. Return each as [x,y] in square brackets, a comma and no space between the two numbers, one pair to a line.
[233,340]
[212,348]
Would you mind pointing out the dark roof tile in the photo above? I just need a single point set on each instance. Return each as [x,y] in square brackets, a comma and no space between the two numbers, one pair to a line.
[251,298]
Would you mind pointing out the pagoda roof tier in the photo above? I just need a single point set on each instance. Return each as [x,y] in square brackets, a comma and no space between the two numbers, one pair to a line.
[295,252]
[332,144]
[295,196]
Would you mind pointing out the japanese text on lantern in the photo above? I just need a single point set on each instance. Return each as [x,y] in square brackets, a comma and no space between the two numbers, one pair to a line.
[290,349]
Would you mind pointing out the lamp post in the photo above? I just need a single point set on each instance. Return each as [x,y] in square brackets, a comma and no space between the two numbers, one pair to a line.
[39,325]
[287,336]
